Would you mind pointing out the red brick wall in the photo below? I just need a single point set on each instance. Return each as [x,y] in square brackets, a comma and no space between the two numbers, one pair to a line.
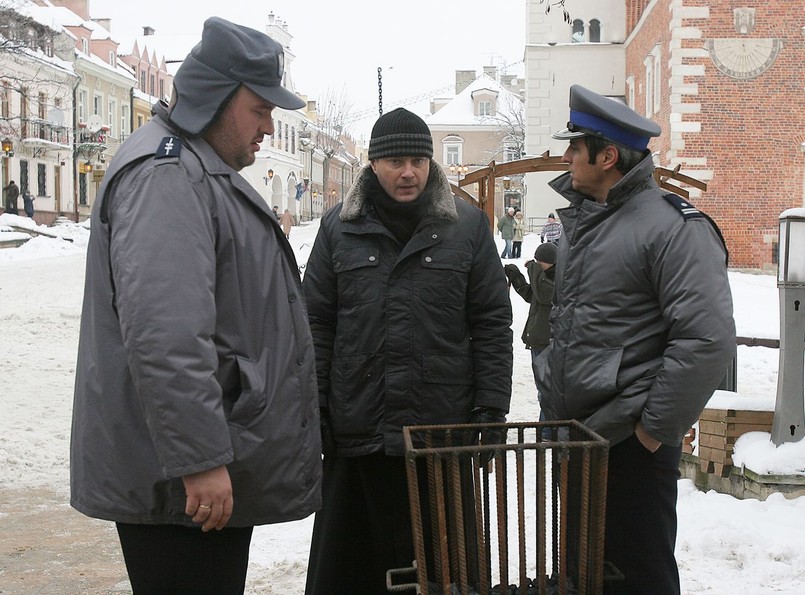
[751,130]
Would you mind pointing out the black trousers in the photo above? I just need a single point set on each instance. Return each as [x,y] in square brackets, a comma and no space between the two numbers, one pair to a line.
[184,560]
[363,528]
[641,519]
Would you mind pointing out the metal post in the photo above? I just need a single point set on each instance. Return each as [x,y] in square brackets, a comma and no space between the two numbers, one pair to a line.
[789,409]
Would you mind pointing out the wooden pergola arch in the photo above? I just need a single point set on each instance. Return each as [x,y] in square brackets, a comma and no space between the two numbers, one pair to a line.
[484,178]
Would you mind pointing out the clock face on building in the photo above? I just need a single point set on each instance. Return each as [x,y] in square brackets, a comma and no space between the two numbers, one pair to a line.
[743,57]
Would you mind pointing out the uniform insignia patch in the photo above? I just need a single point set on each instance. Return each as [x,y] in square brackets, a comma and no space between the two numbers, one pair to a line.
[170,146]
[680,204]
[690,212]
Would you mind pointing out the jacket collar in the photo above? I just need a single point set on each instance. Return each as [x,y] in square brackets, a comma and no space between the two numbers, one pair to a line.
[442,204]
[637,179]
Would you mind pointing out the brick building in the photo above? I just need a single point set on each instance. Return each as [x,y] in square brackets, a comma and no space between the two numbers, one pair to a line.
[729,92]
[724,79]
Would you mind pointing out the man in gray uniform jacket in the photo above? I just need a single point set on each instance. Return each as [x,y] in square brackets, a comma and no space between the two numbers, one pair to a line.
[642,329]
[195,402]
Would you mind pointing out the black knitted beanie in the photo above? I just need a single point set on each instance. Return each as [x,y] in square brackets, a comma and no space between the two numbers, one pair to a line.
[400,133]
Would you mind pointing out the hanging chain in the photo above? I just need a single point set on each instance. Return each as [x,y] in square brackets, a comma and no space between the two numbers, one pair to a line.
[379,91]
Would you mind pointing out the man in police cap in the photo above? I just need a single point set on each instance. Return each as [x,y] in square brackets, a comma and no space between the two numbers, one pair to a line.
[642,327]
[195,398]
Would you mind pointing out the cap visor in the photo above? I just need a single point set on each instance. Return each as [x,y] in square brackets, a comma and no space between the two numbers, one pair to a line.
[567,134]
[278,95]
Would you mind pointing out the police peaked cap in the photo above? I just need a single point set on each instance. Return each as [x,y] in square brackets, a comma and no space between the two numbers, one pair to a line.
[592,114]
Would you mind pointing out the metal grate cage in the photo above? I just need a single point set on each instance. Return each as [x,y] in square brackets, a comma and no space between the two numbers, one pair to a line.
[531,522]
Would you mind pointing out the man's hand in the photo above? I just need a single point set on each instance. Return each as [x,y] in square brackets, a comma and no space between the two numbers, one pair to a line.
[489,415]
[647,441]
[209,498]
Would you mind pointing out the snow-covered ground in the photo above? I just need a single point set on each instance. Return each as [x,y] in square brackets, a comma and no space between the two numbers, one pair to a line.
[725,545]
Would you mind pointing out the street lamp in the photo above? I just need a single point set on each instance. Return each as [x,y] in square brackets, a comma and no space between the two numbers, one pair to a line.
[268,176]
[87,167]
[8,147]
[457,170]
[789,408]
[332,197]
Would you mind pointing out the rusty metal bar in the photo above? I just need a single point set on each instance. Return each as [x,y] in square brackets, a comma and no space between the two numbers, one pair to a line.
[540,479]
[467,514]
[503,535]
[585,514]
[521,534]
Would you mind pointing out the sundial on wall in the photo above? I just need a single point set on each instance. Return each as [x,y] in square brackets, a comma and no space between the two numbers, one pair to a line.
[743,57]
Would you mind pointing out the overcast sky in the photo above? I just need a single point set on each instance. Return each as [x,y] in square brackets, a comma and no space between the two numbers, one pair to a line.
[418,43]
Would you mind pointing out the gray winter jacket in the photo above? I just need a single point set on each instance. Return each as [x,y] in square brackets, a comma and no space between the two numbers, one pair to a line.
[407,335]
[195,350]
[642,326]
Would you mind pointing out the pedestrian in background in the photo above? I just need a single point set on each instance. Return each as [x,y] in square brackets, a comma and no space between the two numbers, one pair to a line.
[642,328]
[195,414]
[412,325]
[538,292]
[28,204]
[506,229]
[287,221]
[519,234]
[551,231]
[12,192]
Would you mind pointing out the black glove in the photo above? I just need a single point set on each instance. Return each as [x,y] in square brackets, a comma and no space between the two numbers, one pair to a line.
[489,415]
[512,272]
[327,437]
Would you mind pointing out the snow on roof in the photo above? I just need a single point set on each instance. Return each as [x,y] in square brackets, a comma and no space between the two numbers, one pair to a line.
[461,109]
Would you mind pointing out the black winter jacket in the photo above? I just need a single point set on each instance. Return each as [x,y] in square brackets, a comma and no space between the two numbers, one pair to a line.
[406,334]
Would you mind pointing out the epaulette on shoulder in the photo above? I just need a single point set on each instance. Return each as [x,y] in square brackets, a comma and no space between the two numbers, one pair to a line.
[170,146]
[690,212]
[680,204]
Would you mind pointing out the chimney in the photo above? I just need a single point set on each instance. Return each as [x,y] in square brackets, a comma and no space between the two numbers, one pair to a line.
[148,31]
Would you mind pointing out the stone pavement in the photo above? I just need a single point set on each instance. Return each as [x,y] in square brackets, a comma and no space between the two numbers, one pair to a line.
[48,548]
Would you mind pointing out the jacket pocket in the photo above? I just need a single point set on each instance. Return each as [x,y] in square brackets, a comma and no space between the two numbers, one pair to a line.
[252,400]
[356,272]
[356,402]
[444,272]
[596,371]
[440,368]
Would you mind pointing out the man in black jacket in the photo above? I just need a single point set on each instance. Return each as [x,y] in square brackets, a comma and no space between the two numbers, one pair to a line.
[411,325]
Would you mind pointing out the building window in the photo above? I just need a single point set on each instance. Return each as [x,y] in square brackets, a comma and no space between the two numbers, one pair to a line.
[578,31]
[162,88]
[153,88]
[293,140]
[657,78]
[85,45]
[511,150]
[142,80]
[285,146]
[630,91]
[124,121]
[97,105]
[24,175]
[5,106]
[82,188]
[279,135]
[112,59]
[82,105]
[112,118]
[484,108]
[452,150]
[595,30]
[41,179]
[649,90]
[24,112]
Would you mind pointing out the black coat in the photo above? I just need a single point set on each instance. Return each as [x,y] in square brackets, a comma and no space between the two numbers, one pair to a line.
[406,335]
